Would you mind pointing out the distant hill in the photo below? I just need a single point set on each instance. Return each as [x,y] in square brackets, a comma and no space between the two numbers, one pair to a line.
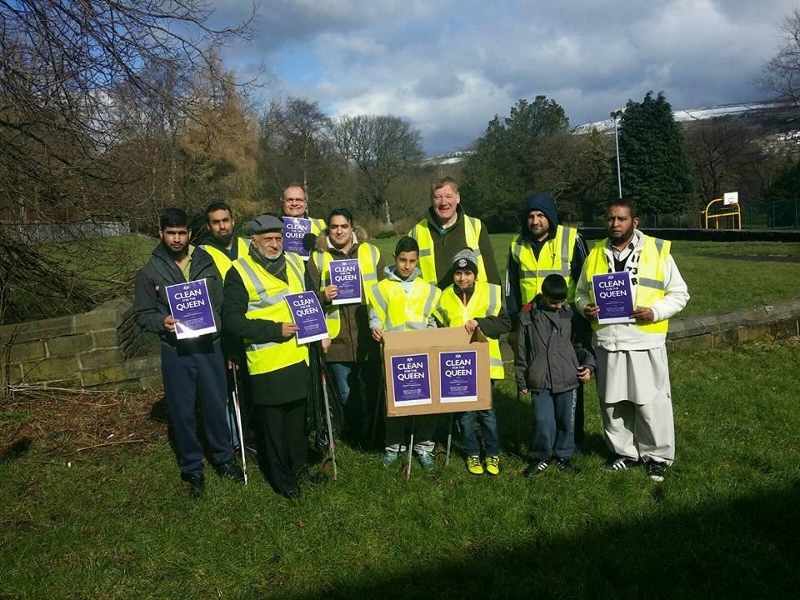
[781,119]
[774,116]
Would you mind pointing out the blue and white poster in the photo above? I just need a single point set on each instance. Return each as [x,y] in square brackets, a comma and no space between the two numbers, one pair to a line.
[411,380]
[346,276]
[613,294]
[458,376]
[294,230]
[191,308]
[308,316]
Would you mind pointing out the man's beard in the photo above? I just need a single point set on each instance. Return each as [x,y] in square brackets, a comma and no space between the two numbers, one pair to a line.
[176,253]
[224,239]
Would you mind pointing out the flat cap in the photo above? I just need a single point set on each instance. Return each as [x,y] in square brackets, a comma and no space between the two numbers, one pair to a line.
[264,223]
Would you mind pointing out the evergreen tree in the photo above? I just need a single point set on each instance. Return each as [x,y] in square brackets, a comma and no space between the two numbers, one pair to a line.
[656,173]
[508,161]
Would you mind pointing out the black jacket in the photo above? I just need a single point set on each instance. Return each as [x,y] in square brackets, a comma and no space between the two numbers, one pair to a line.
[545,204]
[547,357]
[150,305]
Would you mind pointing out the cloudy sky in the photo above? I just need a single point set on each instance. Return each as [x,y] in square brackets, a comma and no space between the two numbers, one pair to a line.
[449,66]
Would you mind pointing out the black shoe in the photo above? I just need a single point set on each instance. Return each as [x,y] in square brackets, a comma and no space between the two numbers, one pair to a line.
[621,463]
[292,493]
[230,470]
[656,470]
[306,477]
[536,468]
[197,483]
[565,464]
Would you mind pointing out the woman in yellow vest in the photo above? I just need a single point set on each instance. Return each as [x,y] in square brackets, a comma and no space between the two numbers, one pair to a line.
[404,301]
[352,356]
[477,304]
[255,312]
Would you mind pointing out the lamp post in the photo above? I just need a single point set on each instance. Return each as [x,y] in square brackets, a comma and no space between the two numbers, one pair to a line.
[615,115]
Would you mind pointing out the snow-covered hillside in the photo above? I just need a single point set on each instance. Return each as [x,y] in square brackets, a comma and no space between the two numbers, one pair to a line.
[692,114]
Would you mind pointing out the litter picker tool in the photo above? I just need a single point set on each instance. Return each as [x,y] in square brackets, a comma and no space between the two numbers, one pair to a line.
[331,444]
[238,412]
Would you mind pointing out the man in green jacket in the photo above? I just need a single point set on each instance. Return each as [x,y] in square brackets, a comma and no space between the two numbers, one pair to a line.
[446,230]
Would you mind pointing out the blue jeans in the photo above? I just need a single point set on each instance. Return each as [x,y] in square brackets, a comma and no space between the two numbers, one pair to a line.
[346,378]
[553,424]
[491,438]
[185,376]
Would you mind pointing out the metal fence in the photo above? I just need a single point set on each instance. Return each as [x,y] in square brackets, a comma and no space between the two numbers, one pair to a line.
[779,214]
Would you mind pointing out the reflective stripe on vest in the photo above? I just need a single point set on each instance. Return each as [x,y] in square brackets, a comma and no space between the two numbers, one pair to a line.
[650,284]
[368,257]
[427,260]
[485,301]
[399,311]
[555,256]
[266,294]
[221,259]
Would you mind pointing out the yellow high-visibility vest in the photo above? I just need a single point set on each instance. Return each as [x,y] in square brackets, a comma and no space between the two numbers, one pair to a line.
[650,277]
[266,294]
[368,257]
[318,226]
[427,260]
[399,311]
[554,257]
[221,259]
[486,301]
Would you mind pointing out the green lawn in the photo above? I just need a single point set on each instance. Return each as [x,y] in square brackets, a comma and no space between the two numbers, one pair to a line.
[115,522]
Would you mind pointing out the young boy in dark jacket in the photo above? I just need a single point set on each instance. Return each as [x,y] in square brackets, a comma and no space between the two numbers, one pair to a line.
[550,366]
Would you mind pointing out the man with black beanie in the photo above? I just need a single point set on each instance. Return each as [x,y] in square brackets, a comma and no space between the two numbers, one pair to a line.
[544,247]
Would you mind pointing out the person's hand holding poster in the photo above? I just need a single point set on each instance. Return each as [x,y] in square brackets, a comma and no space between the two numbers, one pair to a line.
[308,316]
[191,308]
[613,293]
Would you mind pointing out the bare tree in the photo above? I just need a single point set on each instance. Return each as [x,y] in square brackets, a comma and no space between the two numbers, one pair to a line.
[382,148]
[782,71]
[65,67]
[296,145]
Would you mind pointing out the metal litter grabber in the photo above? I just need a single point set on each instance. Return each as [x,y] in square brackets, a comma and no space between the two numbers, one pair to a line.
[331,444]
[238,412]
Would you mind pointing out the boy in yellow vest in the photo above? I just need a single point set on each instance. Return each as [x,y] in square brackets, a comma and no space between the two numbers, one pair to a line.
[477,304]
[401,302]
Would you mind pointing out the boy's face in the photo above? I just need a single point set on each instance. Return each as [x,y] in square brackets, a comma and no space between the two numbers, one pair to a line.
[464,278]
[405,263]
[546,303]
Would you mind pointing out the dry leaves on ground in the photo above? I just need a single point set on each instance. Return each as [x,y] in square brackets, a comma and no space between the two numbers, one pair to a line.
[79,425]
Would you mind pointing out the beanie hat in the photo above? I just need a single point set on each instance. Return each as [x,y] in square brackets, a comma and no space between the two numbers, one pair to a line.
[543,203]
[465,259]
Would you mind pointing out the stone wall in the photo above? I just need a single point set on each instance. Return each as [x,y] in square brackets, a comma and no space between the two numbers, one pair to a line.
[101,349]
[104,349]
[774,321]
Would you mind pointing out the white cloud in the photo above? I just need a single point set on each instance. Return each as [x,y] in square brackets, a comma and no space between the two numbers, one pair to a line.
[451,66]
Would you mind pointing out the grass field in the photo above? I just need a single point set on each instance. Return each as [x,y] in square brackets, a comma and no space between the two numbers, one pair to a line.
[91,507]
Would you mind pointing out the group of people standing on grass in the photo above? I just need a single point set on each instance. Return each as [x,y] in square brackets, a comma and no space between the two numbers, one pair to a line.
[442,274]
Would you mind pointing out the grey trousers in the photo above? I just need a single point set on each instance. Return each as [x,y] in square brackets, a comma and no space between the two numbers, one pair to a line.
[636,403]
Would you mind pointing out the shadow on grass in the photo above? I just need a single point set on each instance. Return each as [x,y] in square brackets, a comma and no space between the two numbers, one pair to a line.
[746,548]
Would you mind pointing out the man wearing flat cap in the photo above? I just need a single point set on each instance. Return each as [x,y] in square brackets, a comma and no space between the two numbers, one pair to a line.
[255,312]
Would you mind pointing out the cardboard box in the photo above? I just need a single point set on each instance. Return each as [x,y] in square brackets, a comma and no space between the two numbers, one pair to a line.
[431,371]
